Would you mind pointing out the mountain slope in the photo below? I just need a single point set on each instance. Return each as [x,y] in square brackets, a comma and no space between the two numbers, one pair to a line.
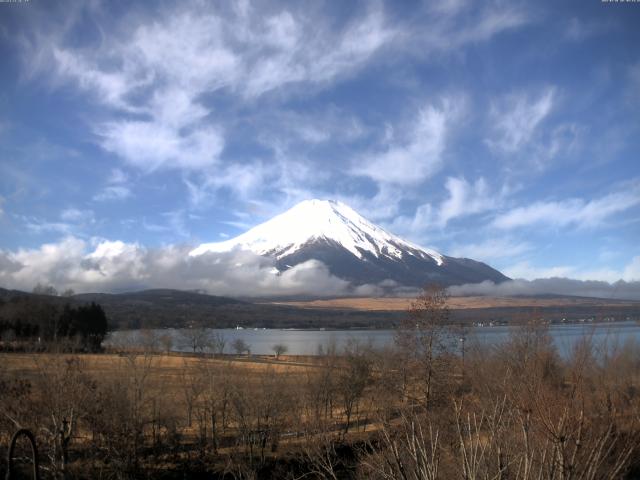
[351,247]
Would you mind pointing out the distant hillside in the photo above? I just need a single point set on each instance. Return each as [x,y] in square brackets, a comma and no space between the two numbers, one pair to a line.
[174,308]
[158,297]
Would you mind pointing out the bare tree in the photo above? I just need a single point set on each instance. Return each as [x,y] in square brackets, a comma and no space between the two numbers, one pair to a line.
[240,346]
[149,340]
[353,378]
[196,338]
[65,391]
[279,349]
[406,451]
[215,395]
[166,340]
[192,388]
[321,387]
[423,335]
[217,343]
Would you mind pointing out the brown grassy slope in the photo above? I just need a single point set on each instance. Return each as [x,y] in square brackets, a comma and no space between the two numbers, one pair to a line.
[165,369]
[457,303]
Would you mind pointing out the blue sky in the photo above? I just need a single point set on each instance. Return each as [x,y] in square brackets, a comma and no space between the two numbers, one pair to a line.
[503,131]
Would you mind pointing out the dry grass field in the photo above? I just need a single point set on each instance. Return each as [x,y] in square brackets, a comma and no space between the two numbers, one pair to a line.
[358,413]
[135,412]
[165,370]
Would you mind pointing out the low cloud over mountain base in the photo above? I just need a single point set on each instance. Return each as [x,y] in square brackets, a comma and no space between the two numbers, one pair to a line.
[552,286]
[116,266]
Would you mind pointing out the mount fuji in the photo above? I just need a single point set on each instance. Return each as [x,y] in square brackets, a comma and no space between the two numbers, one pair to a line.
[352,248]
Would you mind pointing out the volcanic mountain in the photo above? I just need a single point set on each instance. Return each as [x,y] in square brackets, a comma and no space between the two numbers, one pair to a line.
[352,248]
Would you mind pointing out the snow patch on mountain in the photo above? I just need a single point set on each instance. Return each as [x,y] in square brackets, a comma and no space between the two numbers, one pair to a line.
[317,220]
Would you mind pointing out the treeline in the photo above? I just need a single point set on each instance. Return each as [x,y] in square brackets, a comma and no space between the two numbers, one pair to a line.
[517,411]
[434,406]
[34,320]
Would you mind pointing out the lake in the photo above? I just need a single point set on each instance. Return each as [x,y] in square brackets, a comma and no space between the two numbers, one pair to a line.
[306,342]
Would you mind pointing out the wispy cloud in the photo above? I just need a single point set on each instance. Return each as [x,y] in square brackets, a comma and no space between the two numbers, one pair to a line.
[158,83]
[295,130]
[516,117]
[305,53]
[39,226]
[454,23]
[154,145]
[77,215]
[572,212]
[528,271]
[71,221]
[466,199]
[117,187]
[152,78]
[633,83]
[578,30]
[492,249]
[416,156]
[112,192]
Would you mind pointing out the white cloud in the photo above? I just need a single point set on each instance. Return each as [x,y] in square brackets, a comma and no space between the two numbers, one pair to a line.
[382,206]
[112,192]
[153,75]
[159,79]
[76,215]
[174,222]
[516,117]
[70,222]
[39,226]
[578,30]
[558,286]
[117,176]
[453,24]
[491,249]
[108,265]
[117,187]
[466,199]
[524,270]
[294,131]
[463,199]
[493,22]
[154,145]
[571,212]
[305,53]
[633,83]
[414,226]
[243,181]
[416,157]
[632,270]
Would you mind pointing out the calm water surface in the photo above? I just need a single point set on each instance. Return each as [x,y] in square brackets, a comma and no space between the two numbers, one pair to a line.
[307,342]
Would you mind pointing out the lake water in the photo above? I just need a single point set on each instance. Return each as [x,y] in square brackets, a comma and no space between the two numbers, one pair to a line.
[306,342]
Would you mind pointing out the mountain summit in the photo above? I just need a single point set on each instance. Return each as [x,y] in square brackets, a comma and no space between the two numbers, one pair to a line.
[351,247]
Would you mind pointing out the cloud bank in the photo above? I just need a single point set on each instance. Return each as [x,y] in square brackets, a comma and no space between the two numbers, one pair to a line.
[557,286]
[114,266]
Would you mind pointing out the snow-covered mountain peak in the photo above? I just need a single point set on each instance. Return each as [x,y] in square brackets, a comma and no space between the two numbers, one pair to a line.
[320,220]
